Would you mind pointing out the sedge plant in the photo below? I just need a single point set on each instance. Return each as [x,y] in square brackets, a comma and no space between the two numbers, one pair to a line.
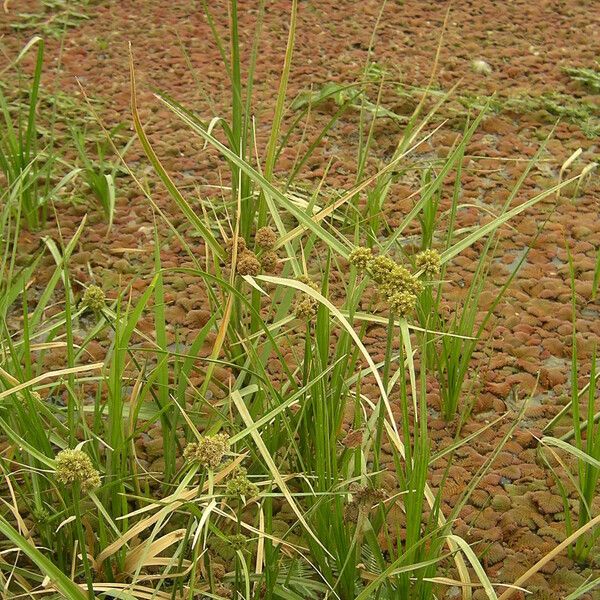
[581,443]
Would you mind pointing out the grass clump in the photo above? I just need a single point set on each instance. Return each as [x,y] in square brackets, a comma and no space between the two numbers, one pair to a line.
[582,444]
[25,167]
[99,173]
[34,178]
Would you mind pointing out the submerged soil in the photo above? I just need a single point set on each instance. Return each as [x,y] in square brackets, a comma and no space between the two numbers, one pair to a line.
[516,516]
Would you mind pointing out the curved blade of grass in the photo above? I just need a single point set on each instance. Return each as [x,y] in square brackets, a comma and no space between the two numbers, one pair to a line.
[169,504]
[49,375]
[411,365]
[168,182]
[279,104]
[579,454]
[348,327]
[23,444]
[477,567]
[500,220]
[347,196]
[58,272]
[584,588]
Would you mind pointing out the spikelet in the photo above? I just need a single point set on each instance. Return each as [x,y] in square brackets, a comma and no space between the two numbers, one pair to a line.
[75,466]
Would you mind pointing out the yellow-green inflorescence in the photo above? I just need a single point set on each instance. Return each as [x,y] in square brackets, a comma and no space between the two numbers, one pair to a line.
[429,261]
[75,466]
[208,450]
[398,286]
[240,486]
[361,258]
[94,298]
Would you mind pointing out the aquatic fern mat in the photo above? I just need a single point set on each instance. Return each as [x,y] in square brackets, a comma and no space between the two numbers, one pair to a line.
[301,444]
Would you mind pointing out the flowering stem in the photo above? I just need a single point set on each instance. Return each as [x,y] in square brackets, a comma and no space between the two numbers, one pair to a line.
[81,538]
[386,376]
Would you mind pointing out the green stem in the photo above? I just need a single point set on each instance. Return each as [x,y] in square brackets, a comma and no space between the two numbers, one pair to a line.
[81,537]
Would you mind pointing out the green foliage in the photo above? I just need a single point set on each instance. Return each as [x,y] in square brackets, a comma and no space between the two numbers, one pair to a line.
[54,17]
[23,164]
[99,173]
[589,78]
[582,442]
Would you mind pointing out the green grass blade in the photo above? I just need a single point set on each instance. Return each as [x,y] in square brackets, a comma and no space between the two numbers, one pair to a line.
[63,583]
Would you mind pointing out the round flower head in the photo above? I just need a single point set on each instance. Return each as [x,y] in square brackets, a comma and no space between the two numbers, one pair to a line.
[402,302]
[306,306]
[241,246]
[269,261]
[248,264]
[360,258]
[94,298]
[239,485]
[382,268]
[429,262]
[208,450]
[75,466]
[238,541]
[401,279]
[265,237]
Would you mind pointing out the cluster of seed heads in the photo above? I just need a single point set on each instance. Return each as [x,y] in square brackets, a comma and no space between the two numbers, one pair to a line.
[238,541]
[398,286]
[306,306]
[265,238]
[248,262]
[75,466]
[208,451]
[239,486]
[94,298]
[429,261]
